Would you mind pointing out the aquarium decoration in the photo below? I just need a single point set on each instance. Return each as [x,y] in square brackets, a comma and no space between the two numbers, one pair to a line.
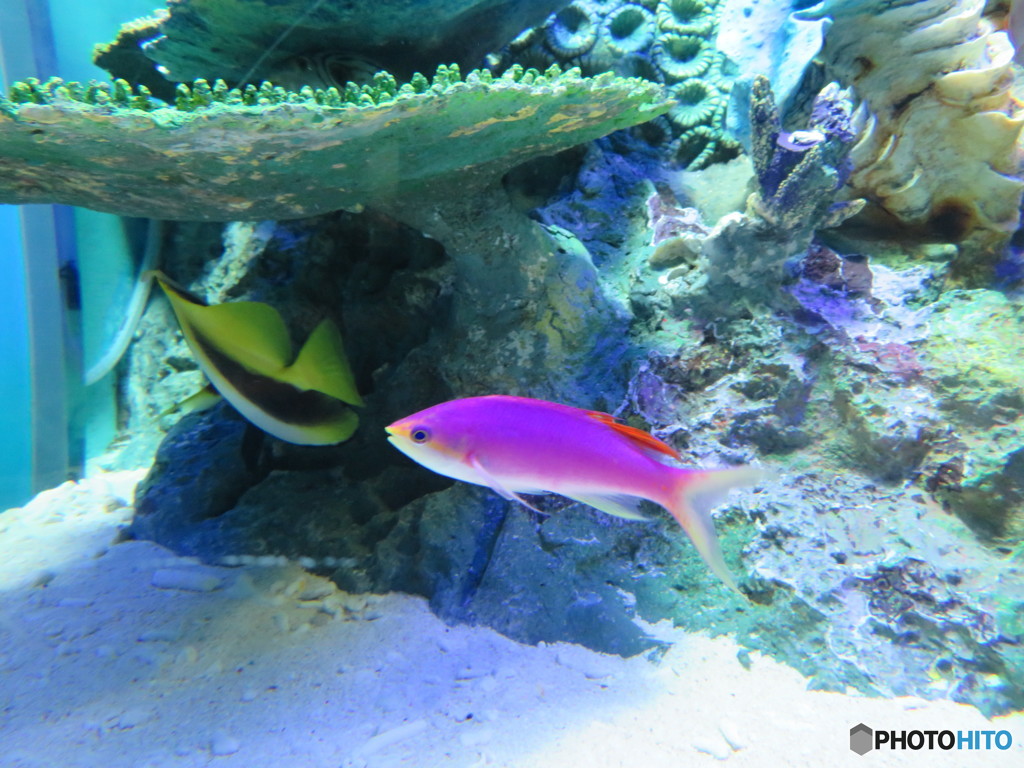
[941,157]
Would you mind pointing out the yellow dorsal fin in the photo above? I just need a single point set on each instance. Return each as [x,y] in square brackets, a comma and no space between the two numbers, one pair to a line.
[247,332]
[322,365]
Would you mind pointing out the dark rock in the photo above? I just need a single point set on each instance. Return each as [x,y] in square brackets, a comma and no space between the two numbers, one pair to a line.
[202,468]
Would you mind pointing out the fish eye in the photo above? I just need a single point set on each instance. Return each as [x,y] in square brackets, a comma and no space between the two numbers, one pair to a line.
[420,435]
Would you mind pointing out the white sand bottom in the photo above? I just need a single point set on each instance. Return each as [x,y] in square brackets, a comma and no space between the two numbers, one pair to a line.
[126,655]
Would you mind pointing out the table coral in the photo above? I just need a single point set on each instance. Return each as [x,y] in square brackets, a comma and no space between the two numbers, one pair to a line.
[246,41]
[231,155]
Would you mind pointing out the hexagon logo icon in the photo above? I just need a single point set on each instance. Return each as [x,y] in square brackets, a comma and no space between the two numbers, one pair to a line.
[860,739]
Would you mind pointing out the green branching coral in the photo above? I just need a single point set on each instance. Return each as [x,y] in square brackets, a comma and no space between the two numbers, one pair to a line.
[222,154]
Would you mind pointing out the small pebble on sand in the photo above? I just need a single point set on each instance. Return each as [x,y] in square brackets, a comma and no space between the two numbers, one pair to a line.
[224,744]
[392,736]
[732,734]
[715,747]
[188,579]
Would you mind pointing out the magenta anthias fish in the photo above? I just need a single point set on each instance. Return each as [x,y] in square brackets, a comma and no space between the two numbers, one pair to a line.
[516,445]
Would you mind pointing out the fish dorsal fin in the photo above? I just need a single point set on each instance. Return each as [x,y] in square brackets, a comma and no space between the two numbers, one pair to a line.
[322,365]
[645,441]
[247,332]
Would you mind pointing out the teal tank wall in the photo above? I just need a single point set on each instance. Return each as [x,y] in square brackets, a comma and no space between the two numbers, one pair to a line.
[53,424]
[15,421]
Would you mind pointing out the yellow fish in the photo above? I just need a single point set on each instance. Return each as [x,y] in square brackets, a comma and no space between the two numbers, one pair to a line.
[244,349]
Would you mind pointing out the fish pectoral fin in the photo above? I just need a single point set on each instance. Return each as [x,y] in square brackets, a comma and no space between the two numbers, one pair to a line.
[498,487]
[205,398]
[620,505]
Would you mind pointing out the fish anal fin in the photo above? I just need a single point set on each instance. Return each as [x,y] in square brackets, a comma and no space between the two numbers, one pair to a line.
[619,505]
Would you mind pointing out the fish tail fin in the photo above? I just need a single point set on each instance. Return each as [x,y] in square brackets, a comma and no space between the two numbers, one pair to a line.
[695,495]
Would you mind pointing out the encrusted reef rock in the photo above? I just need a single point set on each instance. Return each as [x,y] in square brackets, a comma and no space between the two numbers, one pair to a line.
[973,355]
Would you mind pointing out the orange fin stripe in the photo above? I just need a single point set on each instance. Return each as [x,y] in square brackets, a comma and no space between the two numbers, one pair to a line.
[644,440]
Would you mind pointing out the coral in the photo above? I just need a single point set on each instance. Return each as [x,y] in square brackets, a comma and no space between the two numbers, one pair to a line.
[225,154]
[686,17]
[798,184]
[571,32]
[940,160]
[628,29]
[697,101]
[242,41]
[124,60]
[670,41]
[681,57]
[741,266]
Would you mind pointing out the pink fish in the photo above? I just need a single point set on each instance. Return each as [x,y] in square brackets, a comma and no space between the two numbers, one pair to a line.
[516,445]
